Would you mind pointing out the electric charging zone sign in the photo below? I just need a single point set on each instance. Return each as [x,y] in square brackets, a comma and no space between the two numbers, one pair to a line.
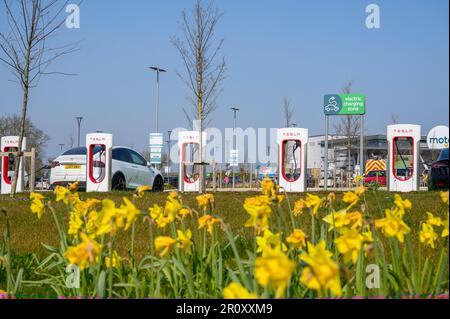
[156,144]
[344,104]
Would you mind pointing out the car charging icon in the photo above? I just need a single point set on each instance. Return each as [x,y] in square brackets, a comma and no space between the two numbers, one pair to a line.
[332,105]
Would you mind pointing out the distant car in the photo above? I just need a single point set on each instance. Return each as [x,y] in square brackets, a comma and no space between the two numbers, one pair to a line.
[438,174]
[42,183]
[129,169]
[375,178]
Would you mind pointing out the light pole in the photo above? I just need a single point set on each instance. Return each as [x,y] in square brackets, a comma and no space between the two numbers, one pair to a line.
[235,110]
[61,145]
[168,155]
[157,70]
[79,119]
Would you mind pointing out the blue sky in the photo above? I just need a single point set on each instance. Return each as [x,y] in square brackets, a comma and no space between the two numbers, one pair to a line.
[301,49]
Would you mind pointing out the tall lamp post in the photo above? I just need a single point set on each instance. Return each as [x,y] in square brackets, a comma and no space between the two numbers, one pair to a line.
[157,70]
[79,119]
[235,110]
[168,155]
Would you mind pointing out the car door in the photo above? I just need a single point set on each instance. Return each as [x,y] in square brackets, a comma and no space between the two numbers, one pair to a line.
[145,175]
[122,162]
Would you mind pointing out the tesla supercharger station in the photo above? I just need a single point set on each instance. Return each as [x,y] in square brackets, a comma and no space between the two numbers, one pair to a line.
[188,142]
[11,144]
[403,157]
[292,147]
[98,162]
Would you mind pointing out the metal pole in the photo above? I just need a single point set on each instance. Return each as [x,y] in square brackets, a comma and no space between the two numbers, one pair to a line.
[168,155]
[361,148]
[157,101]
[235,110]
[79,119]
[325,168]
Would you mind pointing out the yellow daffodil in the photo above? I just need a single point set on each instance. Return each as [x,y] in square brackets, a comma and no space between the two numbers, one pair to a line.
[130,211]
[444,197]
[155,211]
[259,210]
[37,205]
[297,239]
[62,194]
[299,206]
[313,202]
[73,187]
[92,223]
[84,254]
[204,201]
[236,291]
[111,218]
[393,225]
[116,260]
[267,186]
[427,235]
[208,221]
[75,224]
[401,205]
[269,241]
[274,270]
[172,207]
[37,196]
[184,240]
[321,272]
[331,197]
[445,230]
[342,219]
[163,245]
[360,190]
[358,179]
[140,191]
[349,244]
[184,212]
[350,198]
[432,220]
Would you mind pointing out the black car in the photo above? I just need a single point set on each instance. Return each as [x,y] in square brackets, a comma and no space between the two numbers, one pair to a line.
[438,175]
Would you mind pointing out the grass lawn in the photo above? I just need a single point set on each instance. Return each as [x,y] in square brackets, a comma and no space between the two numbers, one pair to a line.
[27,232]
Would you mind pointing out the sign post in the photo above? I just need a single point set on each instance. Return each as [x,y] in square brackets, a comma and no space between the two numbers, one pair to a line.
[344,104]
[156,145]
[234,162]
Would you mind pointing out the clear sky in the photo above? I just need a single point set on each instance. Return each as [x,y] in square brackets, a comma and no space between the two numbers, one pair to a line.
[301,49]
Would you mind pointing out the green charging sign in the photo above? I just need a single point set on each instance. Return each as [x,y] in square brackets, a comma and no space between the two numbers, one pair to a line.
[344,104]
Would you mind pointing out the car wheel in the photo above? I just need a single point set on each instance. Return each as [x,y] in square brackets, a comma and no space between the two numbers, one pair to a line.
[158,184]
[118,182]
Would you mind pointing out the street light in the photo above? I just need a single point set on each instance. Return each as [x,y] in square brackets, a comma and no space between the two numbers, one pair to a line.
[157,70]
[79,119]
[235,110]
[61,145]
[168,155]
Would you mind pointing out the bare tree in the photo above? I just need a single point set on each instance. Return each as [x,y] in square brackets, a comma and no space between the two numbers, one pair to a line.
[288,111]
[348,127]
[25,51]
[204,69]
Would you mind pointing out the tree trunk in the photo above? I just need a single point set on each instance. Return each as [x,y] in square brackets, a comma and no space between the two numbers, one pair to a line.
[22,124]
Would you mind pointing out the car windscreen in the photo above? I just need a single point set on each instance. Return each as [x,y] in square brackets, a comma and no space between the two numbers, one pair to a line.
[444,155]
[81,151]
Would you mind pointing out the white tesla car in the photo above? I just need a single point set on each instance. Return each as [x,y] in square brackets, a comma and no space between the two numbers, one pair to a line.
[129,169]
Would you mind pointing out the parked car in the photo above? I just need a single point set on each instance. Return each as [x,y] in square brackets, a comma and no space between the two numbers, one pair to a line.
[438,174]
[129,169]
[375,178]
[42,183]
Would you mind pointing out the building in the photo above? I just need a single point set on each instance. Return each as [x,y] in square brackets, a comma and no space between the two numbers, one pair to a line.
[375,147]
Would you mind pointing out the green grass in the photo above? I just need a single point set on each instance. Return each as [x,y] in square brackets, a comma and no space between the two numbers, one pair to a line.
[27,232]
